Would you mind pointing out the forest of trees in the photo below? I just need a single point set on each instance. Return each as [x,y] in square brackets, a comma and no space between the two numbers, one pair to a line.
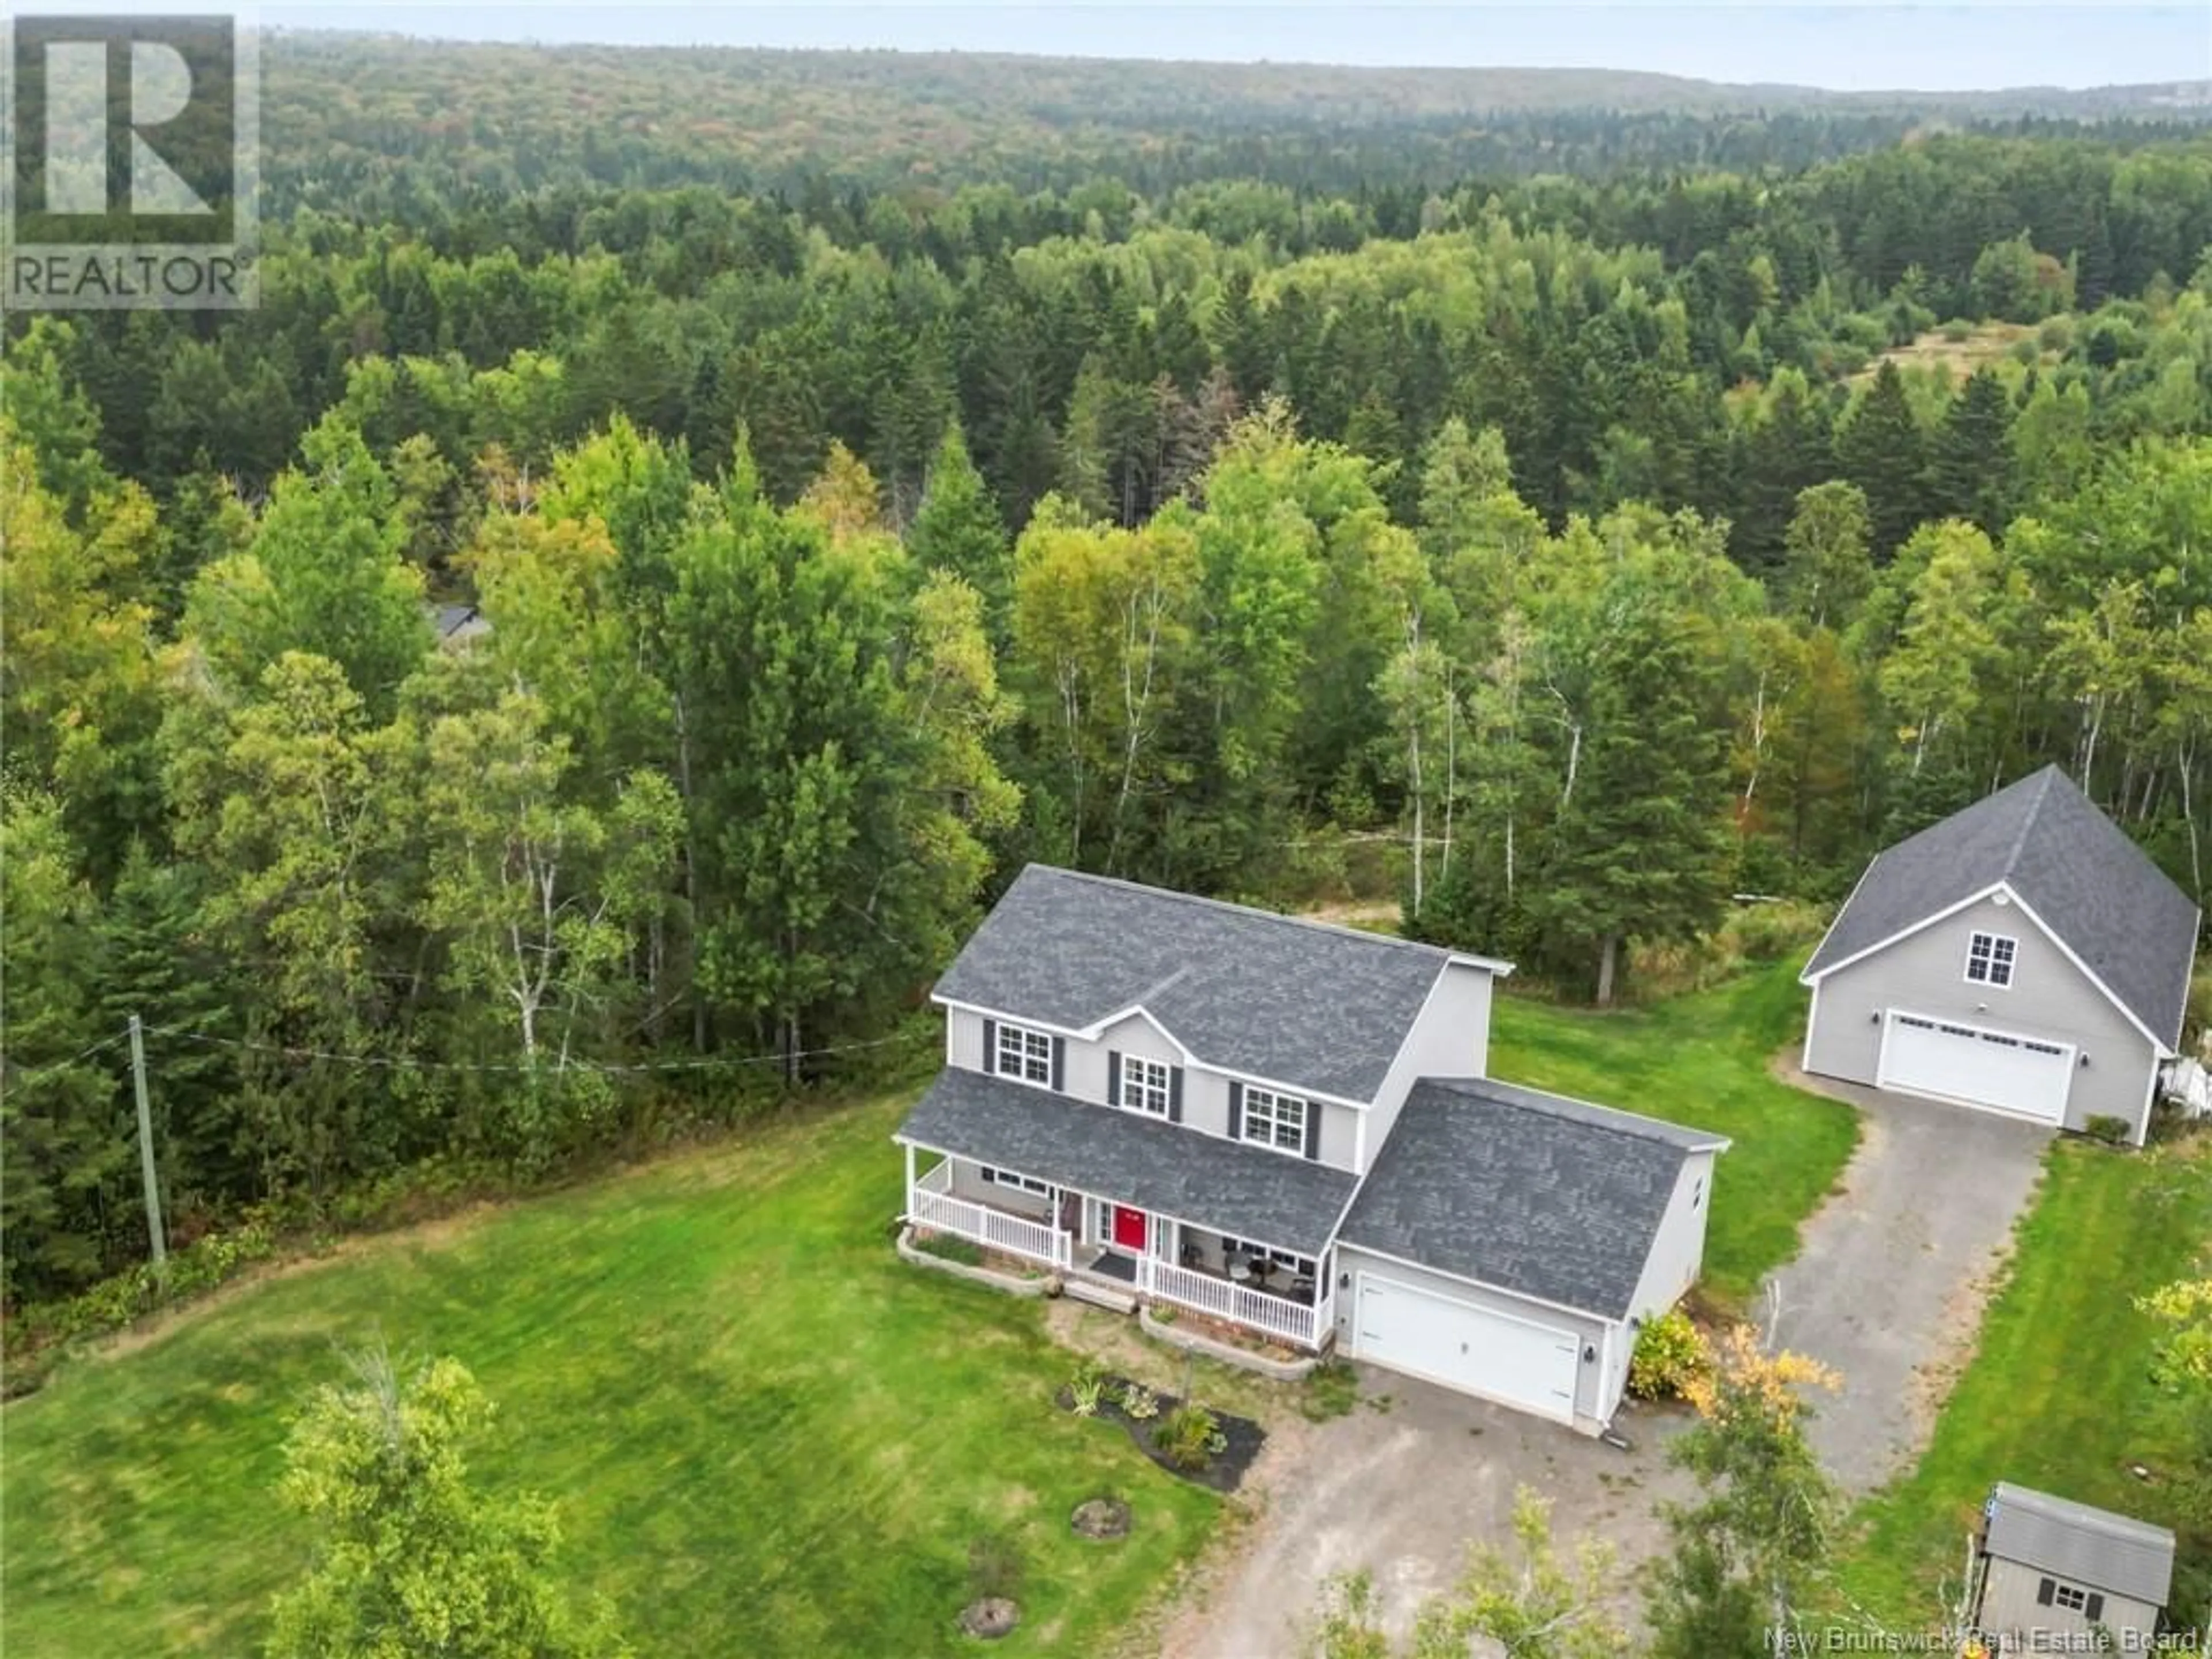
[1582,542]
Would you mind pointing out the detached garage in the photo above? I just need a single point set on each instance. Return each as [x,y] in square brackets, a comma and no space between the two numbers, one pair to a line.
[2023,956]
[1509,1244]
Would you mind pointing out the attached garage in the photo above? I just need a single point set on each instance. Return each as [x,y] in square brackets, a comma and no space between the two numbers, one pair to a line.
[1976,1066]
[1443,1340]
[1509,1244]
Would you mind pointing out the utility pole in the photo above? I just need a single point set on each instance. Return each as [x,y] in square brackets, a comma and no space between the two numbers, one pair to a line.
[146,1148]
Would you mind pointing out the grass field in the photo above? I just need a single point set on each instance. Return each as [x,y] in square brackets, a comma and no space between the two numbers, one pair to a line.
[769,1435]
[1702,1060]
[2057,1396]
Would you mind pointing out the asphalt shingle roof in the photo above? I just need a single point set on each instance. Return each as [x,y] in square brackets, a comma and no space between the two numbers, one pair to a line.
[1527,1192]
[2091,1546]
[1248,1192]
[2068,862]
[1317,1007]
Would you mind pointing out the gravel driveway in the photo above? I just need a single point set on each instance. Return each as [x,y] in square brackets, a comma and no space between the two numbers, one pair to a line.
[1888,1287]
[1402,1486]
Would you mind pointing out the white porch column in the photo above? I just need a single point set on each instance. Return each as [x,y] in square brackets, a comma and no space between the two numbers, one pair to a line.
[910,1180]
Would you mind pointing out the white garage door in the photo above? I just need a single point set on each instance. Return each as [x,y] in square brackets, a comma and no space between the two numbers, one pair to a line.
[1515,1361]
[1975,1066]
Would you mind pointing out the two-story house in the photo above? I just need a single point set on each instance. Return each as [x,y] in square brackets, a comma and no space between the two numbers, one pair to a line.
[1286,1125]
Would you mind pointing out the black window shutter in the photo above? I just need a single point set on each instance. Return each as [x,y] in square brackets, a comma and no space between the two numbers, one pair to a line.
[2044,1592]
[1113,1078]
[990,1045]
[1174,1094]
[1058,1062]
[2095,1610]
[1237,1111]
[1313,1128]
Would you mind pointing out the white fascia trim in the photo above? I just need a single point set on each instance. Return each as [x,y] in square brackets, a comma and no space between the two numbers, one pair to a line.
[1483,1284]
[1303,1092]
[1493,965]
[2083,969]
[1092,1032]
[1919,926]
[1807,977]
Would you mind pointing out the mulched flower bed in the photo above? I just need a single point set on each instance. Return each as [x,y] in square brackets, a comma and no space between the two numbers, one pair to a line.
[1224,1472]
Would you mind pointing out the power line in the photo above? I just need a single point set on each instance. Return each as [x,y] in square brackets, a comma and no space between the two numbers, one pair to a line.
[408,1062]
[21,1078]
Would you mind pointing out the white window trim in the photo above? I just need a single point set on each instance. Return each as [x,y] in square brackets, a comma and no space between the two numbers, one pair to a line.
[1135,1090]
[1277,1103]
[993,1176]
[1990,960]
[1024,1036]
[2060,1592]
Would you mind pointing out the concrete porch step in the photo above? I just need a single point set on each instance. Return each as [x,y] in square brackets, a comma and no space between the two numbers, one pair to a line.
[1102,1296]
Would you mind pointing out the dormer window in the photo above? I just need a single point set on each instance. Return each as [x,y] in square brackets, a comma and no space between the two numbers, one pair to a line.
[1146,1085]
[1024,1056]
[1990,959]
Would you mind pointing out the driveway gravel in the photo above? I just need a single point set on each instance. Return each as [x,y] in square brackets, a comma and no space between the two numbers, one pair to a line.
[1888,1287]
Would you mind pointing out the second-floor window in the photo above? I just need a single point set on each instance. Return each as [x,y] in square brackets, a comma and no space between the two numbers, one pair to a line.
[1146,1085]
[1989,958]
[1275,1120]
[1025,1054]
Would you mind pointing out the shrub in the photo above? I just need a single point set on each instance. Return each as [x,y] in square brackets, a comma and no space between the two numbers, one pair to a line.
[1670,1355]
[949,1247]
[1189,1435]
[2112,1131]
[994,1568]
[1332,1390]
[1958,330]
[1139,1401]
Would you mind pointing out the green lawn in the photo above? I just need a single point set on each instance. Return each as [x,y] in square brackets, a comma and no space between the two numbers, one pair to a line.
[769,1435]
[2057,1396]
[1702,1060]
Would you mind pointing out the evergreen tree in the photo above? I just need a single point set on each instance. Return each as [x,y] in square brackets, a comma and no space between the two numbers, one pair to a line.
[1881,450]
[152,958]
[958,530]
[1970,462]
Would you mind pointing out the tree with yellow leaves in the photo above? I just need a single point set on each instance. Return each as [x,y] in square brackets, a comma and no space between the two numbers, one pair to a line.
[1746,1551]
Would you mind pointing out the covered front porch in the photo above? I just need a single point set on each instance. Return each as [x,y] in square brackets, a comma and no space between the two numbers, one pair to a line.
[1275,1291]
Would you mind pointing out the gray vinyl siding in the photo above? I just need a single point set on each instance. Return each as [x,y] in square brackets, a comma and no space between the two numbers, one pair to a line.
[968,1183]
[2049,999]
[963,1039]
[1205,1093]
[1596,1394]
[2009,1607]
[1450,1038]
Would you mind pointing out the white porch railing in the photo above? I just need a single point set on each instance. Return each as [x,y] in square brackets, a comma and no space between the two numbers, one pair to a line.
[1277,1315]
[931,1205]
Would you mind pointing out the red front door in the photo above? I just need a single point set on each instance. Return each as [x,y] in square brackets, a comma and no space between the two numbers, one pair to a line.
[1129,1229]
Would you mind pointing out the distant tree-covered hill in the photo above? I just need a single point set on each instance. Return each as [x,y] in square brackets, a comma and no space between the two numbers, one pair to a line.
[341,111]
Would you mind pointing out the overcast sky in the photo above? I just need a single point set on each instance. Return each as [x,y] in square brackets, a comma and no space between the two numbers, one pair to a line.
[1850,46]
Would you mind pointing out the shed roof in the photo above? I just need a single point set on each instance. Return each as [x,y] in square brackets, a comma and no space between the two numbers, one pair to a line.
[1248,1192]
[2091,1546]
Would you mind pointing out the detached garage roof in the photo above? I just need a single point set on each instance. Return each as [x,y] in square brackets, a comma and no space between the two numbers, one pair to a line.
[1250,1192]
[1527,1192]
[2090,1547]
[2134,930]
[1302,1003]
